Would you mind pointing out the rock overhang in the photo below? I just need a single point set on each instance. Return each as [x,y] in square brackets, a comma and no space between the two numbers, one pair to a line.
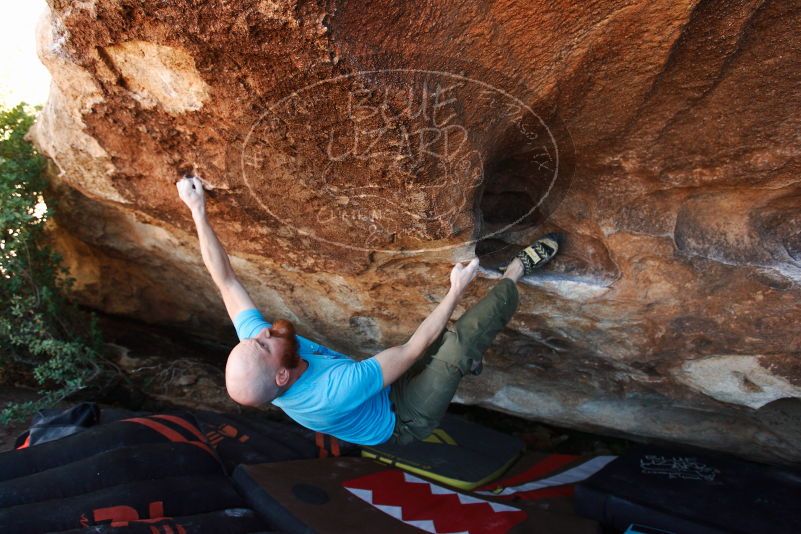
[679,201]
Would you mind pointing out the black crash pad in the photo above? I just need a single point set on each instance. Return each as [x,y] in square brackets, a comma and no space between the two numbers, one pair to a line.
[230,521]
[459,453]
[130,432]
[241,440]
[144,499]
[692,493]
[362,496]
[131,475]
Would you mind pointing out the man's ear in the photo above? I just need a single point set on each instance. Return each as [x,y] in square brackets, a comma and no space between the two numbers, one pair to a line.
[282,377]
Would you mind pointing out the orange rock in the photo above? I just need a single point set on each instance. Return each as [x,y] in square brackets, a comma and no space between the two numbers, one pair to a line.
[354,152]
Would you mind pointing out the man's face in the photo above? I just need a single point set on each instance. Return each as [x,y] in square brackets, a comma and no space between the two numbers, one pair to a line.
[275,350]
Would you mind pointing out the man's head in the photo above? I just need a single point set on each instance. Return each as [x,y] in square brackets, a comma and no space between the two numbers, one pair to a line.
[258,368]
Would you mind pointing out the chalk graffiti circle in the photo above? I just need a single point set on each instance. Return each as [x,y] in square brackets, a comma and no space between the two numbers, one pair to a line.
[396,160]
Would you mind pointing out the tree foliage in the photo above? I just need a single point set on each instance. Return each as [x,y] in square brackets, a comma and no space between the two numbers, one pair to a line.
[40,330]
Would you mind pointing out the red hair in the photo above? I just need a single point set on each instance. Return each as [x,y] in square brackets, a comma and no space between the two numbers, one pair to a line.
[283,329]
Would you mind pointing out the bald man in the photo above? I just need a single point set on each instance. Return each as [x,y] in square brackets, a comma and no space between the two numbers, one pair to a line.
[398,395]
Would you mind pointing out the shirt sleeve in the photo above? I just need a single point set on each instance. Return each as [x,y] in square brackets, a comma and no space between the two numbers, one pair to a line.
[249,322]
[356,383]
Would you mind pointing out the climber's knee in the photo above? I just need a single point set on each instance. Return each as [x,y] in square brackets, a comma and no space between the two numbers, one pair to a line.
[458,354]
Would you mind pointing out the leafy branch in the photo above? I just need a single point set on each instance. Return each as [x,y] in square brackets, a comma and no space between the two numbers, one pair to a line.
[40,329]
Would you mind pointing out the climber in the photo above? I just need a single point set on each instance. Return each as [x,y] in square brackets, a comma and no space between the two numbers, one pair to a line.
[396,396]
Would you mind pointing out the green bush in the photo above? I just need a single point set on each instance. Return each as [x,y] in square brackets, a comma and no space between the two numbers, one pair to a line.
[41,332]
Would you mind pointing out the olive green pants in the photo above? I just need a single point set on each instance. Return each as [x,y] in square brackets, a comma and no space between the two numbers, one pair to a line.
[421,396]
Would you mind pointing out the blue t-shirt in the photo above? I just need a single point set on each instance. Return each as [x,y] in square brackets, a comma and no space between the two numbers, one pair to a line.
[335,395]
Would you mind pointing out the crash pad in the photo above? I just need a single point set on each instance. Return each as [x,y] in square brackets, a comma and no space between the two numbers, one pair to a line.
[359,495]
[160,428]
[247,440]
[230,521]
[51,423]
[137,474]
[458,453]
[692,492]
[109,468]
[236,439]
[144,499]
[546,479]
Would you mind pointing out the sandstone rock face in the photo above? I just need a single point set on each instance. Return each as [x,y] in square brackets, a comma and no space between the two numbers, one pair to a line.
[353,152]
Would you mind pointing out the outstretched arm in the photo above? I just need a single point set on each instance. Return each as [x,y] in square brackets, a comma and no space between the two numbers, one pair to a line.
[395,361]
[234,296]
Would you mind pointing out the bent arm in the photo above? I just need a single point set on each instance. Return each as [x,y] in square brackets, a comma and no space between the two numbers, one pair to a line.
[397,360]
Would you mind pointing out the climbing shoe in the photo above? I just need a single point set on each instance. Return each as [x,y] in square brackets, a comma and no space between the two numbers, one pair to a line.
[539,253]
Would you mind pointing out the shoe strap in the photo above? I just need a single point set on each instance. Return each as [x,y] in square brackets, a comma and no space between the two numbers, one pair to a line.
[531,253]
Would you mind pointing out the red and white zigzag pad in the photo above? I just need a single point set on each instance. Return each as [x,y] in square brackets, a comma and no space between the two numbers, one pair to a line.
[433,508]
[555,471]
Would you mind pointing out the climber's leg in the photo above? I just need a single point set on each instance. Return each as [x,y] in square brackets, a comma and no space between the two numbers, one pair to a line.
[422,395]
